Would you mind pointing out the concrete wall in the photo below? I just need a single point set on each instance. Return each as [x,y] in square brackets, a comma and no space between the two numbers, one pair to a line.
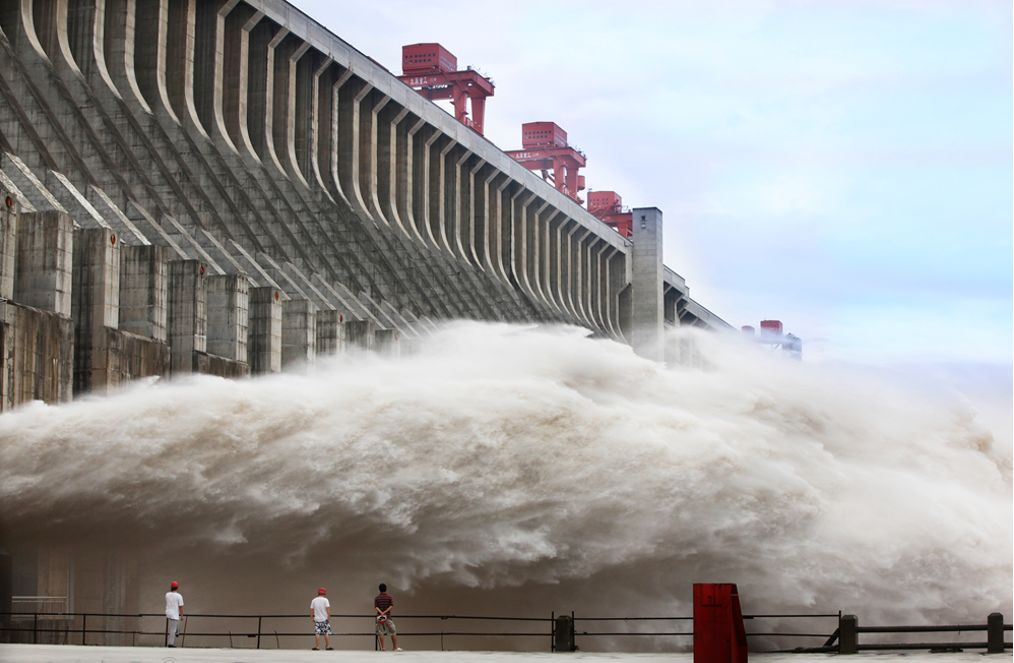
[81,312]
[36,356]
[244,135]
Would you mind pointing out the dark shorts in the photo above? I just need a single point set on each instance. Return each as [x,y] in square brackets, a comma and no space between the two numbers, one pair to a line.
[322,628]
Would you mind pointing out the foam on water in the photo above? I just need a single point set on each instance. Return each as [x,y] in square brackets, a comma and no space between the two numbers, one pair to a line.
[499,461]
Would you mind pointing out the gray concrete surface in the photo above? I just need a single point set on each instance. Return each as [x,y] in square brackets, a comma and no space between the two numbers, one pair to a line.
[77,654]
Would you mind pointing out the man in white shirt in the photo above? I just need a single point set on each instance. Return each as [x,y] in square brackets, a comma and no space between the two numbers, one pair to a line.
[320,613]
[173,611]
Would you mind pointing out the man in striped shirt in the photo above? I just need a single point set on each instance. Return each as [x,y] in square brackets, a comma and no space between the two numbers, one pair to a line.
[383,604]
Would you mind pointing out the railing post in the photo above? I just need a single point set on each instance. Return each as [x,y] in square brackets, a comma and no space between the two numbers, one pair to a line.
[848,634]
[259,618]
[994,633]
[35,628]
[552,631]
[84,628]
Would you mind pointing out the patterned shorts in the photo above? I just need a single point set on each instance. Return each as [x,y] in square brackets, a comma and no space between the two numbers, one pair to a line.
[322,628]
[386,627]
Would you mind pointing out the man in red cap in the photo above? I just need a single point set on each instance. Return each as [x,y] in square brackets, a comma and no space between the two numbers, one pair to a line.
[320,613]
[173,612]
[383,604]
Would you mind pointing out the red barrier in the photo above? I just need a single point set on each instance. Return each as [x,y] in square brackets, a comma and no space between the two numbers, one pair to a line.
[719,635]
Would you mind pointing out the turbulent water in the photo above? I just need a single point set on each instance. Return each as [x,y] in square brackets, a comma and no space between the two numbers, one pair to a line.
[499,468]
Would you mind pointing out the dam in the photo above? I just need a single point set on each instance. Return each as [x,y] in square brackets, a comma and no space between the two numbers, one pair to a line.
[227,187]
[260,333]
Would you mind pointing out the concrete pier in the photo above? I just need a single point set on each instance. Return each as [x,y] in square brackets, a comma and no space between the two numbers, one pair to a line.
[95,305]
[330,332]
[299,331]
[36,355]
[388,342]
[144,290]
[188,313]
[8,247]
[228,304]
[646,314]
[264,345]
[360,334]
[43,277]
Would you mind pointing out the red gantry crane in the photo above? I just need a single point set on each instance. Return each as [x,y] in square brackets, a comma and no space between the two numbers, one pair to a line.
[544,148]
[772,334]
[432,70]
[608,207]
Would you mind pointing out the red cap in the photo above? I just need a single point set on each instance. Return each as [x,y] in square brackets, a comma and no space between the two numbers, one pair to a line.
[321,590]
[174,585]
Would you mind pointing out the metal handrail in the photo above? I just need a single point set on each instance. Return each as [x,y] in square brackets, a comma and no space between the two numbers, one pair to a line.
[272,616]
[41,621]
[946,628]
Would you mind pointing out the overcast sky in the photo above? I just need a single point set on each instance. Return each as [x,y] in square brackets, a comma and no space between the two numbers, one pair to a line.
[843,165]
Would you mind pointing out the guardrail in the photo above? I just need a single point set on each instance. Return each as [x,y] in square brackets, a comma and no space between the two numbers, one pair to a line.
[994,627]
[77,627]
[41,603]
[562,631]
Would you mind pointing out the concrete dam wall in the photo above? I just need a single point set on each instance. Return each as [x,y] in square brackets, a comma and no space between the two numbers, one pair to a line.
[295,174]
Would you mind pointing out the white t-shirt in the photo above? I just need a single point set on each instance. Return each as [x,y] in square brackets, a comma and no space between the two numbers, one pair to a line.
[173,602]
[319,606]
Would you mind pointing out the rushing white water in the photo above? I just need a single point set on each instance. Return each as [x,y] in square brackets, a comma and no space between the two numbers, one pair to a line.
[500,467]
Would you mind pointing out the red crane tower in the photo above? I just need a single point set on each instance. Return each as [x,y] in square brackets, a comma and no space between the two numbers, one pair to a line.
[772,334]
[544,148]
[608,206]
[432,70]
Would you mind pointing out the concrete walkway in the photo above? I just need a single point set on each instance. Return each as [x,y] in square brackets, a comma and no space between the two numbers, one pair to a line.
[78,654]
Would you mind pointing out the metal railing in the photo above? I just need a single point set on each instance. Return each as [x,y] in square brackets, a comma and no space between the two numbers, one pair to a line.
[849,631]
[812,633]
[84,627]
[257,631]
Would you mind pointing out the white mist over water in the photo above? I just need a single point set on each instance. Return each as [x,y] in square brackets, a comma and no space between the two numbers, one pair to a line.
[501,468]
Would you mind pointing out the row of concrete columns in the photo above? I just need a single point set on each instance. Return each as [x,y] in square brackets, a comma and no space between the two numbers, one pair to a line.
[83,311]
[274,139]
[234,72]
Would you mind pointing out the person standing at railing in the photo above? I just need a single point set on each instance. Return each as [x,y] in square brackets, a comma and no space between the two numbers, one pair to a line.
[320,613]
[173,612]
[384,604]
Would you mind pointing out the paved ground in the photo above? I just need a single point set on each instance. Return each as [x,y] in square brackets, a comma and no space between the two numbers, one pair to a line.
[78,654]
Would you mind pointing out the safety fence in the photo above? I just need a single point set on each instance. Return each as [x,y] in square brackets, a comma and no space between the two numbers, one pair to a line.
[850,630]
[619,628]
[826,632]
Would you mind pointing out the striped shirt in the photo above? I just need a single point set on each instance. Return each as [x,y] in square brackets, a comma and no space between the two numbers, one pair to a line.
[383,601]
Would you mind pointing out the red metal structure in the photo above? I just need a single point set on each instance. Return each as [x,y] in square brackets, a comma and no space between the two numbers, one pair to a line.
[608,206]
[719,634]
[544,148]
[772,333]
[432,70]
